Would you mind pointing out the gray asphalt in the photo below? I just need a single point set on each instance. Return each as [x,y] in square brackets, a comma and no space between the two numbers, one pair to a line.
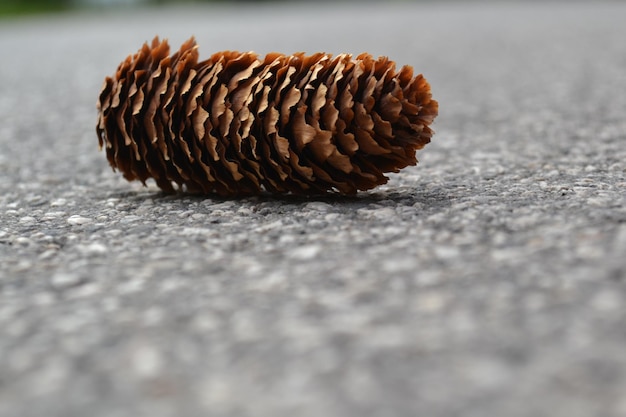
[489,280]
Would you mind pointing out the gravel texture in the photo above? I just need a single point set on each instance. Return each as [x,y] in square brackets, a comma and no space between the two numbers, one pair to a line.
[488,280]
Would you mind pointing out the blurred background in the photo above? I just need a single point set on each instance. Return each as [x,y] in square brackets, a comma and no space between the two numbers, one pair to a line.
[24,7]
[21,7]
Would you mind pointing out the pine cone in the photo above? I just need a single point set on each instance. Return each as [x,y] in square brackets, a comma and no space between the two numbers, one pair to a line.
[236,125]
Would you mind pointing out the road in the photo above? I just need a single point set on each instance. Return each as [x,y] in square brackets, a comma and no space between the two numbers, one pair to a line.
[490,279]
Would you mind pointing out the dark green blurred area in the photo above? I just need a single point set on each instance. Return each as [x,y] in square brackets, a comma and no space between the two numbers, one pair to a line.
[25,7]
[18,7]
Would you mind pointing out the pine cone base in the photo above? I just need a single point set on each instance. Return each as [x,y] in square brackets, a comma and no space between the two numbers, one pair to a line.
[236,124]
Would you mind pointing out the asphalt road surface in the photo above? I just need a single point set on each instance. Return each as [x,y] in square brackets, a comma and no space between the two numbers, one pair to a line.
[489,280]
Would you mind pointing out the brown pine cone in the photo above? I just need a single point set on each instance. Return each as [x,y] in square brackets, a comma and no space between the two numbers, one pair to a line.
[236,124]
